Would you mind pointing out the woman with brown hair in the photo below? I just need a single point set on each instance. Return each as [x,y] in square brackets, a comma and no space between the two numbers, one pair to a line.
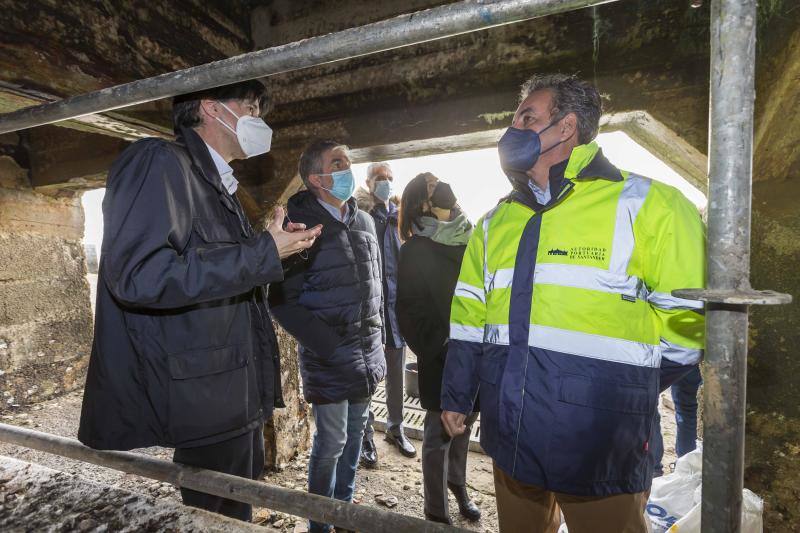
[435,232]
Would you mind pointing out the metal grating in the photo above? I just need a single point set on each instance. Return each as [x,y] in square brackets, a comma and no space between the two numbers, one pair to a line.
[414,418]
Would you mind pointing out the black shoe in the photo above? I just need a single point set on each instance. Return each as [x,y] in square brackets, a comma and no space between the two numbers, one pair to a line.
[432,518]
[467,509]
[369,454]
[402,443]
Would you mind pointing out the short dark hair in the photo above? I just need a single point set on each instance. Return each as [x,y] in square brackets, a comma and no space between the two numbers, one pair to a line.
[186,107]
[570,95]
[311,158]
[412,204]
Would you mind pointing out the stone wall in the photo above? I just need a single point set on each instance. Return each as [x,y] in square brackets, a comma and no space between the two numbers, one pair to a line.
[45,316]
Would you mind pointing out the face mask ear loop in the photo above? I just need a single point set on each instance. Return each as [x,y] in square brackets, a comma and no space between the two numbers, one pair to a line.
[559,142]
[228,109]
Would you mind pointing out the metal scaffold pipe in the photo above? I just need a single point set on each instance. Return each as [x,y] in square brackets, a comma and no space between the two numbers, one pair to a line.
[294,502]
[404,30]
[733,42]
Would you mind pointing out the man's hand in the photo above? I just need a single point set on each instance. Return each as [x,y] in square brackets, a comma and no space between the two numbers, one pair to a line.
[295,238]
[453,423]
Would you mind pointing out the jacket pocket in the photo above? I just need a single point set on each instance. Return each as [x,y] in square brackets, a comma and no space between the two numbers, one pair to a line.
[600,431]
[602,394]
[208,392]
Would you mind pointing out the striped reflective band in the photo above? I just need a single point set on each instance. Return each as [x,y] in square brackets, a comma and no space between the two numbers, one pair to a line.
[667,301]
[466,290]
[501,279]
[571,342]
[586,277]
[595,346]
[634,192]
[496,334]
[614,280]
[466,333]
[680,354]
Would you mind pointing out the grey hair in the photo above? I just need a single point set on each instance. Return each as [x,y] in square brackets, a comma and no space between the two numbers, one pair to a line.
[373,167]
[570,95]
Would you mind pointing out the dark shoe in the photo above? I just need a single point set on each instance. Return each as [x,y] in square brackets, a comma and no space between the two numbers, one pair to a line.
[467,509]
[369,454]
[432,518]
[402,443]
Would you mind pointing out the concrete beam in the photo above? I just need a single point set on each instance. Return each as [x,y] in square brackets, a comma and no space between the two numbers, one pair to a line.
[113,124]
[775,148]
[63,160]
[52,50]
[663,143]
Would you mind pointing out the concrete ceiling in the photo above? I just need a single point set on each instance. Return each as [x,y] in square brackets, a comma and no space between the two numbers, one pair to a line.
[645,55]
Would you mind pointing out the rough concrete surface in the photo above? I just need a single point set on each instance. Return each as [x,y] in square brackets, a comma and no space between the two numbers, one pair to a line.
[37,498]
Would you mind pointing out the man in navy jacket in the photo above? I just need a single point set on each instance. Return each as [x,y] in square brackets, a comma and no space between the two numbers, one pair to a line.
[184,352]
[332,302]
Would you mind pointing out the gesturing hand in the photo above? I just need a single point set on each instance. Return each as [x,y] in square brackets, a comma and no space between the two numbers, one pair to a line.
[294,238]
[453,423]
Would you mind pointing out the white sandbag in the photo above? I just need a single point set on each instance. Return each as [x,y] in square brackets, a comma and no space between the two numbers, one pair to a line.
[752,516]
[674,504]
[672,496]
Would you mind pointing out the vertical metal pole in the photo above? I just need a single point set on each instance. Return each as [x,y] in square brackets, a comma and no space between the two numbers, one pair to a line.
[733,37]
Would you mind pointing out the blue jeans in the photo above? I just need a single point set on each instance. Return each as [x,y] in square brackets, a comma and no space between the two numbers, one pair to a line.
[335,451]
[684,396]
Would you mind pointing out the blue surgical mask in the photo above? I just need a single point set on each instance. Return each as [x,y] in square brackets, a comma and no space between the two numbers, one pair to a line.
[383,190]
[519,150]
[343,184]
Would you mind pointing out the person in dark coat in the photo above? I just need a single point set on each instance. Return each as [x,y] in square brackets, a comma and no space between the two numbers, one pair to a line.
[332,304]
[184,352]
[435,232]
[379,201]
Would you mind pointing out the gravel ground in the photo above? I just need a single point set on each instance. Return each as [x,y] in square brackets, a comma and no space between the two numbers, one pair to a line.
[395,476]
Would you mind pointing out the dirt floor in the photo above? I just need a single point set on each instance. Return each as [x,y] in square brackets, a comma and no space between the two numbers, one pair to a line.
[395,476]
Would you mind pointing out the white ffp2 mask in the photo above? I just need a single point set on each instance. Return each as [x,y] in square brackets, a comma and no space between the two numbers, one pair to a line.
[253,134]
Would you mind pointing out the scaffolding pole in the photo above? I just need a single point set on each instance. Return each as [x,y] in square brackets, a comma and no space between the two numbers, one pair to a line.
[732,95]
[298,503]
[728,294]
[404,30]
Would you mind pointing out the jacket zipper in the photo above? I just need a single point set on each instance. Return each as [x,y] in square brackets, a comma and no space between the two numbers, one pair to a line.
[566,189]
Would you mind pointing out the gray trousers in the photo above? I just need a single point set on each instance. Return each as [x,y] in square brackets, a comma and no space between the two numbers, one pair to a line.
[443,460]
[395,391]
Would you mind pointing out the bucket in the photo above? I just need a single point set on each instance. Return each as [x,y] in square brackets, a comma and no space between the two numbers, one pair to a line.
[412,380]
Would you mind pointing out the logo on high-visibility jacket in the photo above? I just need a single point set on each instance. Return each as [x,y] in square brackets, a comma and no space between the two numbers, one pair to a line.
[556,251]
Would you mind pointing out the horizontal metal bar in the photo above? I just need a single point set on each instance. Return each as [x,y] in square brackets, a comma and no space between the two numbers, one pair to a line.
[735,296]
[404,30]
[294,502]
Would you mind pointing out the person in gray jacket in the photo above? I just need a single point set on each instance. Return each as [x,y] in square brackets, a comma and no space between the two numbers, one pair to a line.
[379,201]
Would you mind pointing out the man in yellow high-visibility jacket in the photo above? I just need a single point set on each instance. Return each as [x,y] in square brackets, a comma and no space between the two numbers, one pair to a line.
[563,318]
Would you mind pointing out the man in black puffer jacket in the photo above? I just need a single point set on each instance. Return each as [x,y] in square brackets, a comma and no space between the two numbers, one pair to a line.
[332,302]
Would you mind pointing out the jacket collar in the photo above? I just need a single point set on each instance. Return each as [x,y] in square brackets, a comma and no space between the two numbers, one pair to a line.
[585,163]
[204,166]
[306,203]
[386,212]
